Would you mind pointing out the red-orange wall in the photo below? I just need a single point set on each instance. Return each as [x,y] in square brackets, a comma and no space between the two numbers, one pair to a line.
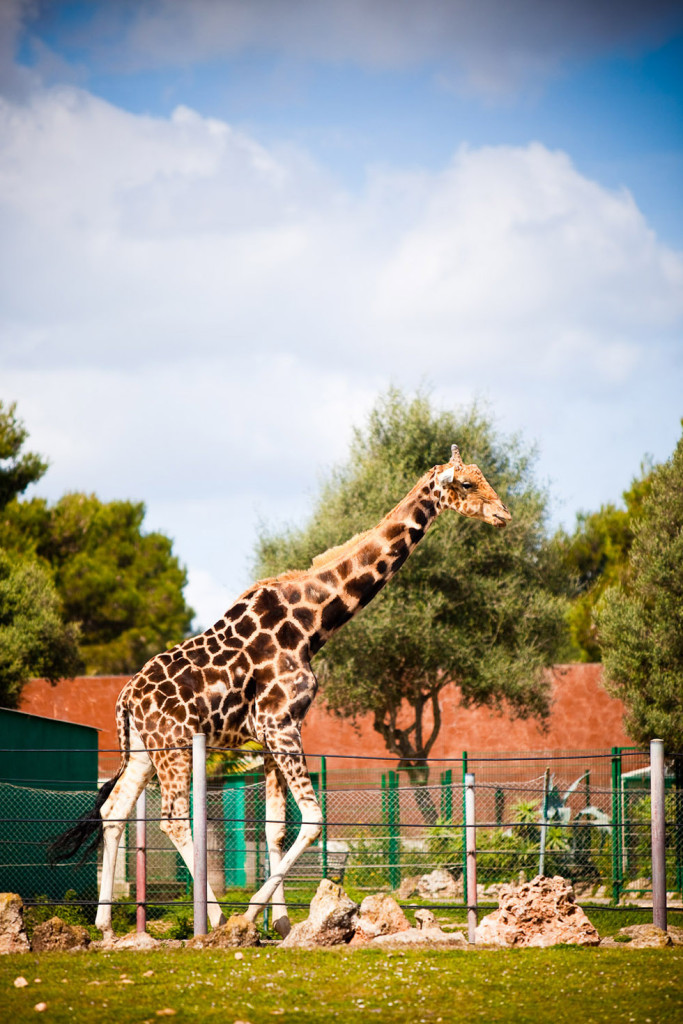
[583,717]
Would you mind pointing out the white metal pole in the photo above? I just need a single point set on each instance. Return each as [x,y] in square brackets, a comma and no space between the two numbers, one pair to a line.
[141,862]
[199,831]
[544,822]
[471,841]
[658,834]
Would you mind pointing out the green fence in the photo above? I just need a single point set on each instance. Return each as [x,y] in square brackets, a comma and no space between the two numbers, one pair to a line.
[386,828]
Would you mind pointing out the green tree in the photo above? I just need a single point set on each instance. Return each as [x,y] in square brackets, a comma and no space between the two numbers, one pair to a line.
[484,608]
[596,556]
[86,562]
[123,586]
[17,469]
[640,620]
[34,639]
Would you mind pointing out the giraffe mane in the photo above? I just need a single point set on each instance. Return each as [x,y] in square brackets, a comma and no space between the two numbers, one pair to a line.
[338,550]
[325,557]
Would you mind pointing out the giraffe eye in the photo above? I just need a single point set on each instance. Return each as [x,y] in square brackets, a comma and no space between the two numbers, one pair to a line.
[466,485]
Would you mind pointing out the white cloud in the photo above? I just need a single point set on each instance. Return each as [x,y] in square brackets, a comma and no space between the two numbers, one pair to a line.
[195,320]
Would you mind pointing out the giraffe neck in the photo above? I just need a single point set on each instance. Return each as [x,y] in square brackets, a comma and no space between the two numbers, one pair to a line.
[346,578]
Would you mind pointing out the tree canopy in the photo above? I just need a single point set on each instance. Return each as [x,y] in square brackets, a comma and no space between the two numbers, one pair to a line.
[640,619]
[482,607]
[34,638]
[87,565]
[596,557]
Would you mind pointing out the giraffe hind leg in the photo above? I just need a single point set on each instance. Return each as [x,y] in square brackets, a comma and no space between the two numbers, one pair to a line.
[115,812]
[276,808]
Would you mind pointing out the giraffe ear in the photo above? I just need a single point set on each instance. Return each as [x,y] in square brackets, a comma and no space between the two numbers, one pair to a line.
[456,458]
[447,476]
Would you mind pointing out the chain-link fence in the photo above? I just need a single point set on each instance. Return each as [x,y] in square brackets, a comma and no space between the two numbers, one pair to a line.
[583,815]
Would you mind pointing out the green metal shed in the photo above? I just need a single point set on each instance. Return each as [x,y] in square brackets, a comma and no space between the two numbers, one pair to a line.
[48,778]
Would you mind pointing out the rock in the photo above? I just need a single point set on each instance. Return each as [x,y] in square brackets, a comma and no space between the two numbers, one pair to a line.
[135,940]
[13,937]
[644,936]
[332,919]
[379,915]
[236,932]
[538,913]
[676,934]
[56,934]
[439,885]
[425,919]
[420,937]
[408,887]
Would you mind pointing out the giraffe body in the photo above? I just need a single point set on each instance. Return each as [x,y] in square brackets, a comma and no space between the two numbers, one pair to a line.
[249,676]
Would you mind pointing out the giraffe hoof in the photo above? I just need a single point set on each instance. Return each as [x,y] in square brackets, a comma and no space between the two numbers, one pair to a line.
[282,926]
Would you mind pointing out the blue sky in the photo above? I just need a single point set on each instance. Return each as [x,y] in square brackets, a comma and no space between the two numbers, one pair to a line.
[226,221]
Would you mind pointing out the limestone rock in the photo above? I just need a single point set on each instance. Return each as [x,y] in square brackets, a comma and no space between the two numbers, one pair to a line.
[645,936]
[408,887]
[439,885]
[425,919]
[538,913]
[236,932]
[430,937]
[676,934]
[379,915]
[56,934]
[13,938]
[135,940]
[332,919]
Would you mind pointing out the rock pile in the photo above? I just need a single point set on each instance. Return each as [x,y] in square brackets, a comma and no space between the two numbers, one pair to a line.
[379,921]
[542,912]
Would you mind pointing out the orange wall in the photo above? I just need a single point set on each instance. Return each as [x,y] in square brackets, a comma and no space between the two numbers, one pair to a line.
[583,717]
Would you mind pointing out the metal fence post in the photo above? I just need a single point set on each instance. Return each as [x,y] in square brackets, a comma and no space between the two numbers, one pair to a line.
[141,862]
[616,825]
[544,823]
[323,810]
[471,831]
[678,818]
[658,824]
[199,831]
[394,832]
[447,795]
[464,829]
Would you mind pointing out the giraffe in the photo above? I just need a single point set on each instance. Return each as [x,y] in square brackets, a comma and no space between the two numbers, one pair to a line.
[249,676]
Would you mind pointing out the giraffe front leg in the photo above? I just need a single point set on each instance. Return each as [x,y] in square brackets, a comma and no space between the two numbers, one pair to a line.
[276,826]
[292,765]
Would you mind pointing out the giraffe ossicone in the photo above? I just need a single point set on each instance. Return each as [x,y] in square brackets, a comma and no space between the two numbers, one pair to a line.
[249,677]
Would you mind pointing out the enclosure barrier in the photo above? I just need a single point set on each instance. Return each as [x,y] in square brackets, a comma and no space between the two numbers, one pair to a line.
[609,821]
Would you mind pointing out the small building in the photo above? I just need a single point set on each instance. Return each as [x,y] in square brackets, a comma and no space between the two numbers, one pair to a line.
[48,778]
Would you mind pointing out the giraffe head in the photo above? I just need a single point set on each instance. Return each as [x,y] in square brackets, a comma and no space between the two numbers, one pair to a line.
[466,489]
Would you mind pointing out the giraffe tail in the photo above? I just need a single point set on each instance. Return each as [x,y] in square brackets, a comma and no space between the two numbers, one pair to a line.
[88,827]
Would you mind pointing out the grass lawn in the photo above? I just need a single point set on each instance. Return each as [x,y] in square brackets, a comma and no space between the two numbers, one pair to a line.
[563,984]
